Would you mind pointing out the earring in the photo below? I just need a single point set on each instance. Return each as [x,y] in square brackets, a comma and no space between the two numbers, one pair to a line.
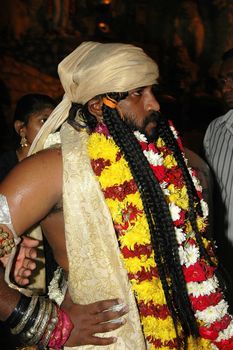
[23,142]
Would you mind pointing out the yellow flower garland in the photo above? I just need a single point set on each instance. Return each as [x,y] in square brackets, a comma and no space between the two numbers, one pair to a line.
[159,331]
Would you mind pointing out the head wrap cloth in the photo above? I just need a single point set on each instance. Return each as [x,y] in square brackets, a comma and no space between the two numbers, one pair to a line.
[93,69]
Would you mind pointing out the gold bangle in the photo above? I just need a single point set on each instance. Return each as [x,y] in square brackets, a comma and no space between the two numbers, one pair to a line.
[6,243]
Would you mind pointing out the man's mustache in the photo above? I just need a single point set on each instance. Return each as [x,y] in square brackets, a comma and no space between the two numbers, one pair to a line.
[151,118]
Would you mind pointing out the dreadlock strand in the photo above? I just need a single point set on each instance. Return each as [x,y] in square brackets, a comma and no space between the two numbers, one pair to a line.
[127,141]
[157,237]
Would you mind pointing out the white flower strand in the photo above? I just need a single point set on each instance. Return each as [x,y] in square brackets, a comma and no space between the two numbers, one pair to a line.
[140,137]
[205,209]
[175,133]
[153,158]
[213,313]
[226,333]
[180,235]
[207,287]
[175,211]
[189,255]
[196,181]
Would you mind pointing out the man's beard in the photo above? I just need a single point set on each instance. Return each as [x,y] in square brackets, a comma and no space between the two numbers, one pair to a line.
[153,117]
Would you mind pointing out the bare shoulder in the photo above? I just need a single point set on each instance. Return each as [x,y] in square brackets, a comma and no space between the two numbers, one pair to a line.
[43,163]
[198,163]
[203,173]
[33,187]
[44,158]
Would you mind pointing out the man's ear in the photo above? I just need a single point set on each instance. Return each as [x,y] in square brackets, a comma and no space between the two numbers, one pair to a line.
[19,127]
[95,107]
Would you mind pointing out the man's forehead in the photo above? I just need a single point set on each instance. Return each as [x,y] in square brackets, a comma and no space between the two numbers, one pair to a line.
[141,87]
[151,86]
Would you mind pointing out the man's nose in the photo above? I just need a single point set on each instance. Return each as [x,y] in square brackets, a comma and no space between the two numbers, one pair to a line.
[228,86]
[152,104]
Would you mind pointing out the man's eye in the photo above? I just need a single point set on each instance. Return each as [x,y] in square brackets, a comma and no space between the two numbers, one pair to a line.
[137,93]
[227,80]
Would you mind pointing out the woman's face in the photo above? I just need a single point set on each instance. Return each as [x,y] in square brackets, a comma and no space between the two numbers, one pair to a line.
[35,122]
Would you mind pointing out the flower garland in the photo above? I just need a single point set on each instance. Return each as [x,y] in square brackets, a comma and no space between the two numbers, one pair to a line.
[125,205]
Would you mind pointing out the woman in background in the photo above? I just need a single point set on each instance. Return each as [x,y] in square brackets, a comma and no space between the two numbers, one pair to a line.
[31,112]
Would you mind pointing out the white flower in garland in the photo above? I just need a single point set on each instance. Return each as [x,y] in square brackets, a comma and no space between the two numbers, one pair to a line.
[204,207]
[163,186]
[226,333]
[140,137]
[214,347]
[175,211]
[175,133]
[180,235]
[185,159]
[203,288]
[189,255]
[213,313]
[153,158]
[196,181]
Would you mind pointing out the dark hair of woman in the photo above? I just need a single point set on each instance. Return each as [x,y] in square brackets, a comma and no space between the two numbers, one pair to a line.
[28,105]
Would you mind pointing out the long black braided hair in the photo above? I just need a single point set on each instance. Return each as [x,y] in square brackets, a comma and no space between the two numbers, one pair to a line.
[159,219]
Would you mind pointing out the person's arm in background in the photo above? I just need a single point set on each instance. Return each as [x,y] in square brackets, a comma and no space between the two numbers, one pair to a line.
[8,298]
[37,189]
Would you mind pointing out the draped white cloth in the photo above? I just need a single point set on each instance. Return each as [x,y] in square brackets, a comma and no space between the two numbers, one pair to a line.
[96,270]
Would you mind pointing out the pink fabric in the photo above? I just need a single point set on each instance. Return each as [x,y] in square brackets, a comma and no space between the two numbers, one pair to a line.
[61,332]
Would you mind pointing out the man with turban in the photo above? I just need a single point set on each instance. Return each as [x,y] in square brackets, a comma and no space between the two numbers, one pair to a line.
[122,210]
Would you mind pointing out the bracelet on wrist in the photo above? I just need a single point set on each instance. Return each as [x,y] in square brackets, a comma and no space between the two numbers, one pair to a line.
[18,312]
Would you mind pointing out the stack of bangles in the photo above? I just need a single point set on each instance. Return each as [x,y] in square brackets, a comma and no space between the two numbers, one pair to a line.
[39,321]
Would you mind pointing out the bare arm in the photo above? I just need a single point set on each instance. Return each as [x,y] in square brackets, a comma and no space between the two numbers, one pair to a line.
[10,297]
[32,188]
[87,319]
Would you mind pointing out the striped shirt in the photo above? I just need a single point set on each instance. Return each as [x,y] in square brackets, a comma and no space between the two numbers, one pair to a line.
[218,146]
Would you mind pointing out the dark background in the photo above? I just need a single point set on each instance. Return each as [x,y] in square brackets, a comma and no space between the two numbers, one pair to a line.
[185,37]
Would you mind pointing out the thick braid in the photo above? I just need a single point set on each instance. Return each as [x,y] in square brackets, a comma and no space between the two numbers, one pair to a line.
[130,144]
[91,124]
[162,233]
[178,277]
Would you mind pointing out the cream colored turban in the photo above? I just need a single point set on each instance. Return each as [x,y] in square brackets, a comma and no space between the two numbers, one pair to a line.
[93,69]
